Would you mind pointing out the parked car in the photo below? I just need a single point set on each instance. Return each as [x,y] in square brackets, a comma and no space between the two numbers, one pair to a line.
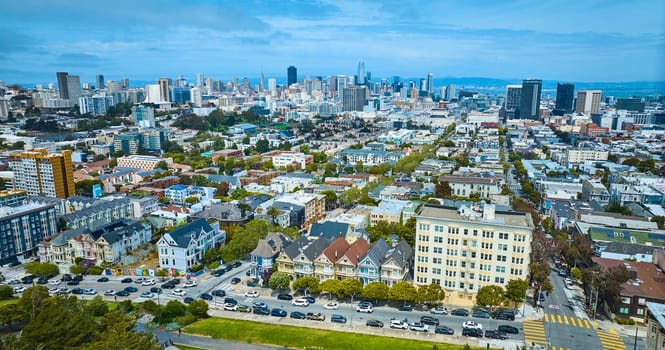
[230,307]
[179,292]
[331,306]
[53,282]
[472,332]
[278,312]
[42,280]
[335,318]
[168,285]
[124,280]
[156,290]
[147,295]
[78,278]
[244,308]
[432,321]
[77,291]
[251,294]
[139,280]
[66,277]
[122,293]
[315,316]
[19,289]
[131,289]
[481,314]
[89,291]
[496,335]
[109,292]
[441,329]
[298,315]
[365,307]
[259,304]
[562,272]
[374,323]
[284,296]
[148,282]
[235,280]
[230,301]
[460,312]
[218,293]
[399,324]
[300,302]
[439,310]
[310,299]
[219,272]
[188,300]
[472,324]
[236,264]
[406,307]
[53,291]
[102,279]
[190,284]
[508,329]
[508,315]
[419,327]
[261,311]
[13,282]
[205,296]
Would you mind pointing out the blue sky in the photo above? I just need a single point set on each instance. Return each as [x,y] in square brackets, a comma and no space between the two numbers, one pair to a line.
[571,40]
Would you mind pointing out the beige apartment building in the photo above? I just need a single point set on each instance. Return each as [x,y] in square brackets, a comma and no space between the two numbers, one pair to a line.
[468,248]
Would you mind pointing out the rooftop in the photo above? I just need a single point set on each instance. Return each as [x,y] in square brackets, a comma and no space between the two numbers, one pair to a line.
[503,218]
[649,280]
[657,310]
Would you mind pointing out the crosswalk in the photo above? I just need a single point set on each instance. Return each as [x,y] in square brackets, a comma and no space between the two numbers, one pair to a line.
[611,340]
[566,320]
[534,332]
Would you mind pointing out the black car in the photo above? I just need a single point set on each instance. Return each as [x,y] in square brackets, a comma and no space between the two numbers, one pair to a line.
[481,314]
[73,283]
[126,280]
[441,329]
[335,318]
[78,278]
[278,312]
[168,285]
[156,290]
[66,277]
[406,307]
[102,279]
[218,293]
[205,296]
[374,323]
[230,301]
[504,315]
[298,315]
[218,272]
[175,281]
[122,293]
[496,335]
[227,268]
[188,300]
[284,297]
[27,279]
[42,280]
[432,321]
[131,289]
[472,332]
[261,311]
[235,280]
[460,312]
[77,291]
[508,329]
[236,264]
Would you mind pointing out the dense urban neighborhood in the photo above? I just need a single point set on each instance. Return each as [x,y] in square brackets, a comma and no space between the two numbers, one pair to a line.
[387,207]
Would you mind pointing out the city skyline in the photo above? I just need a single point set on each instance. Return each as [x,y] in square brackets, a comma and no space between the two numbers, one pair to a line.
[568,41]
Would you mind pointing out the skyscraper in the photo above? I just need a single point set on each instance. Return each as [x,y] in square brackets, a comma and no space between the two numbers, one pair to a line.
[361,73]
[565,93]
[62,85]
[199,79]
[100,81]
[292,75]
[588,101]
[164,92]
[73,87]
[262,83]
[353,98]
[450,92]
[530,99]
[512,101]
[40,173]
[430,84]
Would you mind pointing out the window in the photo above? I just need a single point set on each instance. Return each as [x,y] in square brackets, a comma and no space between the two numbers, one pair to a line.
[461,285]
[484,245]
[463,263]
[503,247]
[437,250]
[487,234]
[438,228]
[438,239]
[519,238]
[423,238]
[518,261]
[517,272]
[484,267]
[517,249]
[623,310]
[452,241]
[466,231]
[462,274]
[475,232]
[472,276]
[436,271]
[423,249]
[503,235]
[421,279]
[484,256]
[436,260]
[499,280]
[500,258]
[641,301]
[452,252]
[422,259]
[470,286]
[423,227]
[474,244]
[639,311]
[463,252]
[473,255]
[500,269]
[451,273]
[625,300]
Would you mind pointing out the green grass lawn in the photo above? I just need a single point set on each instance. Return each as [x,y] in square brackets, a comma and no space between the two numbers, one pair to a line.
[300,337]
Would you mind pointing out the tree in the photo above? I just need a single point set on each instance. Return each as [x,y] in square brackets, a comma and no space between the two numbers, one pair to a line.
[376,291]
[516,290]
[162,165]
[443,190]
[192,200]
[172,310]
[279,280]
[659,220]
[359,166]
[350,196]
[77,269]
[97,307]
[615,207]
[273,212]
[32,301]
[62,224]
[116,331]
[41,268]
[350,287]
[576,273]
[402,291]
[198,308]
[307,284]
[222,189]
[431,294]
[331,198]
[331,286]
[491,296]
[6,292]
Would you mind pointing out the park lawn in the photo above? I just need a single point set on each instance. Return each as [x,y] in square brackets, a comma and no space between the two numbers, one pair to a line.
[300,337]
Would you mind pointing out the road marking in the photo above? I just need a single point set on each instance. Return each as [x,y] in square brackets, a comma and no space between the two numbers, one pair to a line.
[565,319]
[559,317]
[572,321]
[546,318]
[613,331]
[586,323]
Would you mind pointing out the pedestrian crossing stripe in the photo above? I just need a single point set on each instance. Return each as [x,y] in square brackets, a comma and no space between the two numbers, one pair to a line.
[560,348]
[563,319]
[534,332]
[613,331]
[586,323]
[546,318]
[611,341]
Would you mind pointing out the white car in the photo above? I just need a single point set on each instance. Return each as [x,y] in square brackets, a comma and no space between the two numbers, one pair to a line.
[148,282]
[139,280]
[300,302]
[419,327]
[189,284]
[439,310]
[252,294]
[472,324]
[90,291]
[109,292]
[19,289]
[331,306]
[54,282]
[399,324]
[53,291]
[365,308]
[230,307]
[179,292]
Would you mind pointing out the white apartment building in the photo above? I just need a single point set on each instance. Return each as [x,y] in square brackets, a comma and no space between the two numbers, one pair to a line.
[588,101]
[576,156]
[466,249]
[142,162]
[293,159]
[464,186]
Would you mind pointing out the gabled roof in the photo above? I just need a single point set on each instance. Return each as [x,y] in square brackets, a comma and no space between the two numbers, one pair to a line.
[185,233]
[356,251]
[336,249]
[271,245]
[294,248]
[128,231]
[377,252]
[329,229]
[401,254]
[316,248]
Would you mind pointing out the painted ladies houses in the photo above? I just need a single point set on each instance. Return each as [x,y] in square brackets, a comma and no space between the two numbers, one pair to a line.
[347,264]
[369,267]
[397,264]
[324,264]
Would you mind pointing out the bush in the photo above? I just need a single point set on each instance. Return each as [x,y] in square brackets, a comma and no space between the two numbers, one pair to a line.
[213,265]
[95,270]
[196,268]
[186,319]
[150,306]
[6,292]
[77,269]
[126,306]
[97,307]
[625,321]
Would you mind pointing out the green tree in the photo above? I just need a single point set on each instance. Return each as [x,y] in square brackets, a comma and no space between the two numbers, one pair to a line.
[350,196]
[6,292]
[350,287]
[198,308]
[308,284]
[431,294]
[97,307]
[192,200]
[403,291]
[331,198]
[279,281]
[262,146]
[443,190]
[77,269]
[576,273]
[172,310]
[332,286]
[491,296]
[32,301]
[116,331]
[659,220]
[273,212]
[376,291]
[162,165]
[516,290]
[41,268]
